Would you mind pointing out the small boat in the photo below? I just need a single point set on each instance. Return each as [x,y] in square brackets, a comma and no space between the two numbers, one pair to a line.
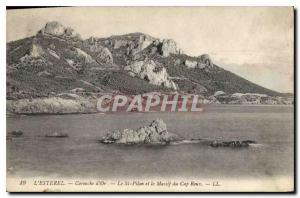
[16,133]
[57,135]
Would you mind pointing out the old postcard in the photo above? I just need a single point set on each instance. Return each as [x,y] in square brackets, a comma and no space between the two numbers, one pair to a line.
[150,99]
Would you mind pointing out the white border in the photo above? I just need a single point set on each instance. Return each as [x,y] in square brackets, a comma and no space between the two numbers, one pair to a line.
[153,3]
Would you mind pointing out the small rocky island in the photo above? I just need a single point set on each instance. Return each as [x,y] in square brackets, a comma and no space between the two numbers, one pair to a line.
[15,133]
[157,133]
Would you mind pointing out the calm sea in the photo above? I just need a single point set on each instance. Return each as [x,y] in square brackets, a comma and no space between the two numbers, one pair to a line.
[81,155]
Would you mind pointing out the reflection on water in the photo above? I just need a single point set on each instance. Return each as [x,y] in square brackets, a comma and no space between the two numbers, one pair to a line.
[81,155]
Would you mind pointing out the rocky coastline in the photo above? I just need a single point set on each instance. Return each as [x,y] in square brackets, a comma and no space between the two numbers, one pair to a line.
[80,103]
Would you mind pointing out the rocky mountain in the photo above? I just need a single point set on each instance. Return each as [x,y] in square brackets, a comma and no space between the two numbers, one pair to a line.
[57,60]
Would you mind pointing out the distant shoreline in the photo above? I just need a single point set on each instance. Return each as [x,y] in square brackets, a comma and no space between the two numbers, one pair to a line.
[8,114]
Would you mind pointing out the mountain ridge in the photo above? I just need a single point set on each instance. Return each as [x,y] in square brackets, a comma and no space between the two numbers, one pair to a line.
[57,60]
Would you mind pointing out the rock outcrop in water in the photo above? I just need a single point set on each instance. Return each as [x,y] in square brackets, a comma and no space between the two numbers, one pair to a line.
[16,133]
[232,144]
[155,133]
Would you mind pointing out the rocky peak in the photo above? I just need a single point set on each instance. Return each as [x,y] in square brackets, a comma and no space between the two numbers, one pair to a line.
[167,47]
[55,28]
[134,42]
[206,60]
[145,40]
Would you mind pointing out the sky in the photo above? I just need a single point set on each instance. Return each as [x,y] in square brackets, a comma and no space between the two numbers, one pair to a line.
[253,42]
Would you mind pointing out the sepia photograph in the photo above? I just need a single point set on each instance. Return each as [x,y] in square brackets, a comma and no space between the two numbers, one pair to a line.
[150,99]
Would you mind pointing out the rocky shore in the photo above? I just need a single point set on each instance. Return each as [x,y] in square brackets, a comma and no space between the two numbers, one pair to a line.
[86,102]
[220,97]
[75,104]
[52,105]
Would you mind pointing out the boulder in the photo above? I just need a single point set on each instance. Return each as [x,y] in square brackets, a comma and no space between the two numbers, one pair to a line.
[153,50]
[177,62]
[35,53]
[213,100]
[156,42]
[56,29]
[120,43]
[82,54]
[151,72]
[105,55]
[52,46]
[91,40]
[36,50]
[168,46]
[219,93]
[108,42]
[155,133]
[102,53]
[77,89]
[206,60]
[201,65]
[145,41]
[53,53]
[190,64]
[70,32]
[45,73]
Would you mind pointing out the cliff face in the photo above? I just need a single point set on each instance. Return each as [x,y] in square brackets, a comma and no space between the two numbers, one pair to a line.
[57,60]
